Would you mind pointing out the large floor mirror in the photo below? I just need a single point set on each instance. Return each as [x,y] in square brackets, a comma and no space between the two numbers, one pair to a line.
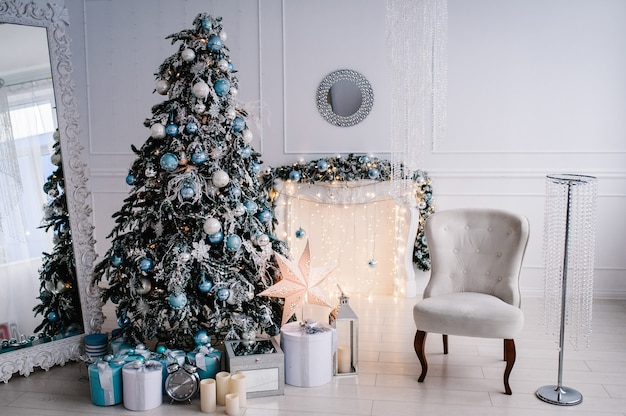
[37,109]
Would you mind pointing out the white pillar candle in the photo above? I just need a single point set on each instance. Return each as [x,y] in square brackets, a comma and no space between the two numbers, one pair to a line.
[222,380]
[232,404]
[343,359]
[238,385]
[208,395]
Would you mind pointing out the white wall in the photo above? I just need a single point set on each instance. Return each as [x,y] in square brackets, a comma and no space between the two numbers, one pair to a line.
[535,87]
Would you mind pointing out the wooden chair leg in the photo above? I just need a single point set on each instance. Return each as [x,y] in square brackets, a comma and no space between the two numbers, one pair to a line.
[418,344]
[445,343]
[509,357]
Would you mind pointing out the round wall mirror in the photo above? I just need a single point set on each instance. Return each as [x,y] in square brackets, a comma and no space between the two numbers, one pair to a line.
[344,98]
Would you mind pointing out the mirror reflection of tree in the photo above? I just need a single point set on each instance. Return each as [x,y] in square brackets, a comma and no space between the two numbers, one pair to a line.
[60,304]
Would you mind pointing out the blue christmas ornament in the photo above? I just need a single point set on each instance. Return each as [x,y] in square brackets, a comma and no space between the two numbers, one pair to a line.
[206,24]
[171,129]
[187,192]
[169,162]
[221,86]
[231,67]
[130,179]
[245,152]
[300,233]
[116,260]
[161,349]
[255,168]
[364,159]
[201,338]
[177,300]
[322,165]
[123,321]
[214,43]
[295,175]
[205,286]
[373,173]
[223,294]
[216,238]
[233,242]
[238,124]
[264,216]
[198,157]
[251,206]
[146,264]
[191,127]
[52,316]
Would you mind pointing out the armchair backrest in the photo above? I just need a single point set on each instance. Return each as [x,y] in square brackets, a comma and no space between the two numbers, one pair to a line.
[476,250]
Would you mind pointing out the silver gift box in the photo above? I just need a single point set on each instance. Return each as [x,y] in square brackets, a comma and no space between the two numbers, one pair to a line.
[261,361]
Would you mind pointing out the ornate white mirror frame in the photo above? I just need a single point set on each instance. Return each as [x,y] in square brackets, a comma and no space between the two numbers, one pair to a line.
[54,18]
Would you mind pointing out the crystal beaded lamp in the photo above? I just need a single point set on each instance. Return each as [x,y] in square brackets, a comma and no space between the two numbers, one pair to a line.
[569,245]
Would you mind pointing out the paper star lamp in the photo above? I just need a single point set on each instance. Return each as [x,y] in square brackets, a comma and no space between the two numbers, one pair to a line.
[300,283]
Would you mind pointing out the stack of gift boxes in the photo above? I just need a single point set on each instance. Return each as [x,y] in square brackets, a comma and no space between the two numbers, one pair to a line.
[138,377]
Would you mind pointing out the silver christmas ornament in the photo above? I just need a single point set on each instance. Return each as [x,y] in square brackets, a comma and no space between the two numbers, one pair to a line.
[188,55]
[162,87]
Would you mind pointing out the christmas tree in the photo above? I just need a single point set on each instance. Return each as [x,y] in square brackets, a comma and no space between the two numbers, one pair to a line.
[193,243]
[58,293]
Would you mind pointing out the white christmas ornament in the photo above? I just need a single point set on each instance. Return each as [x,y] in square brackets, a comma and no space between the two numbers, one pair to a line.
[220,179]
[223,36]
[233,91]
[56,159]
[231,113]
[56,136]
[223,65]
[211,226]
[247,136]
[157,131]
[188,55]
[200,90]
[162,87]
[199,108]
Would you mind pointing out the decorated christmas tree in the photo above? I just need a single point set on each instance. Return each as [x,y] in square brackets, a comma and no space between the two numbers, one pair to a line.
[60,304]
[193,243]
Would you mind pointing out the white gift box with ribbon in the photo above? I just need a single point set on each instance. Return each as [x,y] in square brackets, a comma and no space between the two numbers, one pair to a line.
[308,350]
[141,383]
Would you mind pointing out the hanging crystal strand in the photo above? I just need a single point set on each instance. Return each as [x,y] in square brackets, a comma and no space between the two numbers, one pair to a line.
[440,74]
[569,240]
[416,45]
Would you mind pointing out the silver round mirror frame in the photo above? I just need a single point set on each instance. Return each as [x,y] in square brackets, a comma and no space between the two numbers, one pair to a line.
[325,108]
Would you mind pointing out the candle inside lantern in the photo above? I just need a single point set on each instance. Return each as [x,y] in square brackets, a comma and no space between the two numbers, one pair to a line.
[208,396]
[222,380]
[232,404]
[343,359]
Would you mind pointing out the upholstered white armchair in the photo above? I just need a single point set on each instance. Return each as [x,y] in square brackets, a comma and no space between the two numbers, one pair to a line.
[473,291]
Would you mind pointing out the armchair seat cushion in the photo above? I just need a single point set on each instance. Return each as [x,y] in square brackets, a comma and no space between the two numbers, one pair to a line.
[468,314]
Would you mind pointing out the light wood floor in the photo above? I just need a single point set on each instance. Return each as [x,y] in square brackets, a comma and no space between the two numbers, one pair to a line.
[468,381]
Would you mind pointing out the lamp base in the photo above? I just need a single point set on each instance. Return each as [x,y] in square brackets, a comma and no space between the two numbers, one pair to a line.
[559,395]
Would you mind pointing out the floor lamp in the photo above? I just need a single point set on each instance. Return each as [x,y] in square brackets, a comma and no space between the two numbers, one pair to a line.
[569,244]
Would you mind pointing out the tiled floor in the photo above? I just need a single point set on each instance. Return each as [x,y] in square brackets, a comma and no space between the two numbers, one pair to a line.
[468,381]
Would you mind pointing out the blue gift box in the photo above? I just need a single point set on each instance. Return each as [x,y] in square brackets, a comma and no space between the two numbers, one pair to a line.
[105,382]
[207,360]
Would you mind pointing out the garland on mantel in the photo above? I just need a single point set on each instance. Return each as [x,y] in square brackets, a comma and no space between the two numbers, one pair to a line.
[361,167]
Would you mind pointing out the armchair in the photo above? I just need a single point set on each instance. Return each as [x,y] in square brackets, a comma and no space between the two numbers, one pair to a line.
[476,257]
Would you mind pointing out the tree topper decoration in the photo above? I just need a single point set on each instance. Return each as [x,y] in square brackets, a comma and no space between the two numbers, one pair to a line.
[300,283]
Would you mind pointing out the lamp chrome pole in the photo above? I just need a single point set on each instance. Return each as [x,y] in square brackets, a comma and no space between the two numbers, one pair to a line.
[559,394]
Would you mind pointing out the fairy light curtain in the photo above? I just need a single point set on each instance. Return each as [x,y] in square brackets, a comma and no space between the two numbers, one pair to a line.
[417,52]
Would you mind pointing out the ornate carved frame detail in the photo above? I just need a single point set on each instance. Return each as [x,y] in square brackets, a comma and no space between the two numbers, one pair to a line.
[55,19]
